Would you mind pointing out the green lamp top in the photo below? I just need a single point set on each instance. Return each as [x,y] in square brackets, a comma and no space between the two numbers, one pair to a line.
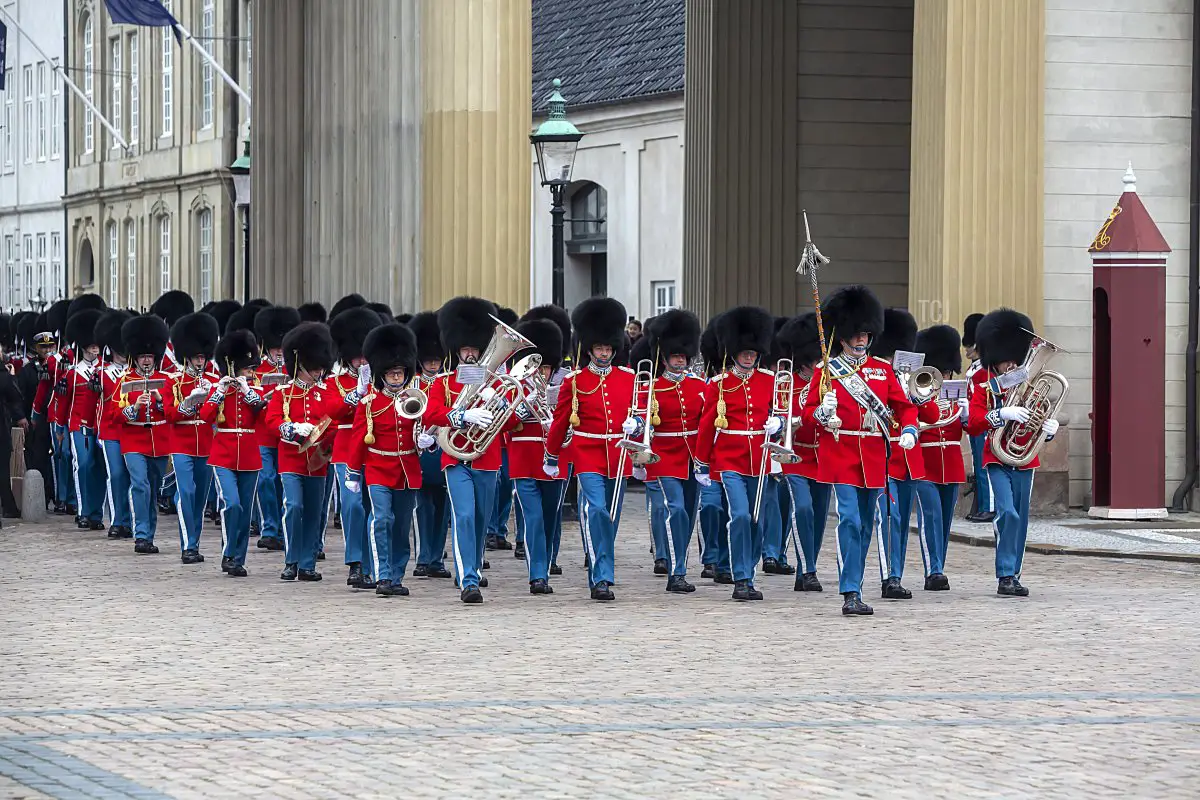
[556,123]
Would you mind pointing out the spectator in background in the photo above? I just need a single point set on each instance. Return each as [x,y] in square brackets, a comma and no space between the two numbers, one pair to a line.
[634,329]
[12,414]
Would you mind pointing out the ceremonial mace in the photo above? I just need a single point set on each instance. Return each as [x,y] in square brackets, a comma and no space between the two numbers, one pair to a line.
[811,261]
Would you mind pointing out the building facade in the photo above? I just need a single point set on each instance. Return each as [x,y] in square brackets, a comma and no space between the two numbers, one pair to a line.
[159,215]
[32,152]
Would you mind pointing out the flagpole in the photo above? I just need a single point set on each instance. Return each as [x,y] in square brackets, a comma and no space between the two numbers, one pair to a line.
[207,56]
[70,83]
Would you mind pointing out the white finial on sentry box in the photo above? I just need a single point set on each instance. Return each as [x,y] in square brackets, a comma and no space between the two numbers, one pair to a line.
[1129,179]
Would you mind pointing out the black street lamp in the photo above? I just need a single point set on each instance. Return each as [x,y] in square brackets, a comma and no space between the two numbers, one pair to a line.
[556,141]
[240,169]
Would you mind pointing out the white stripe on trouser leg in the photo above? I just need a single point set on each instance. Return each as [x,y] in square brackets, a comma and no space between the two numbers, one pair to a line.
[922,532]
[525,525]
[180,510]
[995,519]
[132,505]
[729,524]
[692,531]
[837,531]
[371,534]
[338,477]
[1028,506]
[801,563]
[222,507]
[75,473]
[877,529]
[585,526]
[670,528]
[458,562]
[283,515]
[108,493]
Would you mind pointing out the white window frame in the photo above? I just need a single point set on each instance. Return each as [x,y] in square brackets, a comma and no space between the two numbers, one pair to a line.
[10,267]
[55,113]
[114,88]
[56,265]
[27,111]
[168,95]
[164,253]
[135,98]
[114,258]
[89,69]
[43,100]
[10,119]
[131,263]
[208,15]
[664,296]
[42,266]
[204,225]
[26,284]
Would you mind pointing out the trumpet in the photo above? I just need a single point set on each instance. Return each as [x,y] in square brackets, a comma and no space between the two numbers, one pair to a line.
[411,403]
[783,405]
[643,384]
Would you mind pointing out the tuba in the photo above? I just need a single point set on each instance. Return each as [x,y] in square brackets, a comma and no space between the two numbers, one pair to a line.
[499,393]
[1043,392]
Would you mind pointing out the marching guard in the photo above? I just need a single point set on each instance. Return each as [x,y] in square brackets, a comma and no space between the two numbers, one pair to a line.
[433,508]
[109,422]
[271,325]
[83,397]
[145,441]
[982,509]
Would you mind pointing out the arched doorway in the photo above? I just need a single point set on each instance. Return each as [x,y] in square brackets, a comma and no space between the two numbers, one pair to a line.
[587,242]
[87,266]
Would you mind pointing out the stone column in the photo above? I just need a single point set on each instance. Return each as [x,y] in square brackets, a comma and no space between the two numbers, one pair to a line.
[976,186]
[476,61]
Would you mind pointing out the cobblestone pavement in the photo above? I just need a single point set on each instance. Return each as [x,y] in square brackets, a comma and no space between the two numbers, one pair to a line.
[130,676]
[1179,534]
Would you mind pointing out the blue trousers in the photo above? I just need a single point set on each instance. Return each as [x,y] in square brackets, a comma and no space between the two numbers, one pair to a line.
[555,524]
[983,490]
[267,501]
[119,498]
[191,491]
[785,514]
[1011,489]
[64,485]
[681,499]
[856,516]
[770,523]
[498,521]
[714,545]
[235,491]
[88,474]
[656,515]
[210,504]
[145,476]
[810,504]
[303,497]
[331,484]
[354,522]
[599,530]
[166,490]
[472,497]
[433,510]
[537,506]
[744,542]
[388,530]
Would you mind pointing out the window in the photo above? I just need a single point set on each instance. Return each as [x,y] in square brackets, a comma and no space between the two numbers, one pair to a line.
[664,296]
[168,118]
[131,263]
[27,120]
[10,269]
[589,208]
[56,267]
[10,119]
[43,108]
[42,266]
[114,97]
[89,119]
[25,286]
[205,224]
[206,70]
[55,113]
[114,255]
[164,253]
[135,100]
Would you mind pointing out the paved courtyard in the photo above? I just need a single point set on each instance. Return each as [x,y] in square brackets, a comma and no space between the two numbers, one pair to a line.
[130,676]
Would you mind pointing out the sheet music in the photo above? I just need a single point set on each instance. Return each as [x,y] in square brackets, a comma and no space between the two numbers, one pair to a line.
[907,361]
[470,375]
[1013,378]
[552,395]
[953,390]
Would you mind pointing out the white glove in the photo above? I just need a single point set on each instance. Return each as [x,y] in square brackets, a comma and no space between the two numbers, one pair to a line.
[704,480]
[243,384]
[364,379]
[303,429]
[907,441]
[773,425]
[425,441]
[354,486]
[829,401]
[1014,414]
[639,473]
[479,417]
[551,470]
[1050,427]
[197,393]
[629,426]
[964,408]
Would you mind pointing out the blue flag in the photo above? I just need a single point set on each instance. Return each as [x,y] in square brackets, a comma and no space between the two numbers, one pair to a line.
[147,13]
[3,53]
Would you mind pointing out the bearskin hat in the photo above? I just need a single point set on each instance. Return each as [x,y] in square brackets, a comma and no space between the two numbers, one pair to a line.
[899,333]
[17,324]
[641,351]
[349,301]
[108,329]
[429,342]
[350,328]
[243,318]
[383,310]
[56,317]
[222,310]
[261,302]
[307,344]
[195,335]
[390,346]
[272,324]
[312,312]
[852,310]
[671,333]
[942,348]
[404,318]
[86,301]
[800,340]
[970,325]
[239,348]
[507,316]
[744,328]
[81,328]
[710,348]
[547,340]
[599,320]
[465,322]
[1002,336]
[145,335]
[172,305]
[29,327]
[555,314]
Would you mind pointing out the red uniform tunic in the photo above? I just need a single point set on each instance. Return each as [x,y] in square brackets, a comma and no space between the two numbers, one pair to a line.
[190,434]
[292,403]
[267,437]
[391,458]
[145,427]
[45,390]
[527,450]
[342,413]
[442,394]
[83,399]
[986,401]
[680,406]
[604,403]
[804,439]
[856,456]
[737,448]
[109,422]
[910,464]
[942,447]
[59,365]
[235,441]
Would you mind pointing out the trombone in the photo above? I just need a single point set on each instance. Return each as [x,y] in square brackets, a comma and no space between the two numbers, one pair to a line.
[637,450]
[783,406]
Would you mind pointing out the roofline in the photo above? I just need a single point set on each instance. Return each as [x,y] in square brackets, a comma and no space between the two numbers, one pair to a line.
[541,113]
